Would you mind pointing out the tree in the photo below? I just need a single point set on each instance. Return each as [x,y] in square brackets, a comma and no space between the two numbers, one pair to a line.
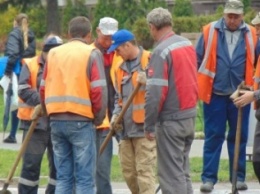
[247,5]
[53,19]
[182,8]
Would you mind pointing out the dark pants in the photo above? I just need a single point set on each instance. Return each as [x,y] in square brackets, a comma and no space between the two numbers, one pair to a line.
[29,180]
[256,151]
[220,111]
[14,123]
[103,163]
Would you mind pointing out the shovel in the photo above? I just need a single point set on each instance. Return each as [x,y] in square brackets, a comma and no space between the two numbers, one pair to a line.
[236,152]
[119,118]
[20,153]
[236,94]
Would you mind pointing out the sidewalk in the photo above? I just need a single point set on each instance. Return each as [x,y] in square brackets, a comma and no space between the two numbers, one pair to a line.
[221,188]
[196,148]
[121,188]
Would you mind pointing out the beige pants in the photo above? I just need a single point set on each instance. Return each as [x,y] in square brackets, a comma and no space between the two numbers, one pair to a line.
[138,157]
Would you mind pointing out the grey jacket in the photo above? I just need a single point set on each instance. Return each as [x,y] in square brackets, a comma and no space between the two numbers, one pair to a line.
[171,88]
[130,128]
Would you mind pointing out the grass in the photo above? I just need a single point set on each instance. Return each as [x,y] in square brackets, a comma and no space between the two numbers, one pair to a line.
[8,157]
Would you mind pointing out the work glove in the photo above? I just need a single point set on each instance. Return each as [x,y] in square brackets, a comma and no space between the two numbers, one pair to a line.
[116,127]
[37,112]
[141,77]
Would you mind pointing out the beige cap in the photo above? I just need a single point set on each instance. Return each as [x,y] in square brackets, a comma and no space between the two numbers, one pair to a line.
[234,6]
[108,26]
[256,20]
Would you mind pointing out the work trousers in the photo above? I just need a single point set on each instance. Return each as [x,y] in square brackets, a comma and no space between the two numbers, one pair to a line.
[174,139]
[220,111]
[256,151]
[138,157]
[32,158]
[103,163]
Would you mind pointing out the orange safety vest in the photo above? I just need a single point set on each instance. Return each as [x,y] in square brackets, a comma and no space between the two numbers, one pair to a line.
[207,69]
[139,99]
[106,124]
[67,87]
[24,110]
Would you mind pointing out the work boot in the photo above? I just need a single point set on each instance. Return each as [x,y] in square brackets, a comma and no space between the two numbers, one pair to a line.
[241,186]
[9,139]
[207,187]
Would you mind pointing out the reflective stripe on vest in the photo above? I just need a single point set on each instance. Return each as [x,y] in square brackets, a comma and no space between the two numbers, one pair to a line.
[207,70]
[106,124]
[25,110]
[139,99]
[67,86]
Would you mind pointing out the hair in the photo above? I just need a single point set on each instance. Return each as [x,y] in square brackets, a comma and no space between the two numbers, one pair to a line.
[133,42]
[22,22]
[159,17]
[79,27]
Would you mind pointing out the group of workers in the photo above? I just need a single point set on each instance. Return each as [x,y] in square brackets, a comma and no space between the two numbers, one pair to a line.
[77,90]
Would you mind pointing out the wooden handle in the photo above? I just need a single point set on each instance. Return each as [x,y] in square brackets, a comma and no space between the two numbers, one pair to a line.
[22,149]
[119,118]
[236,150]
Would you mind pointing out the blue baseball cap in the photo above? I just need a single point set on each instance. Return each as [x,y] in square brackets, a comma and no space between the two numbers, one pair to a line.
[120,37]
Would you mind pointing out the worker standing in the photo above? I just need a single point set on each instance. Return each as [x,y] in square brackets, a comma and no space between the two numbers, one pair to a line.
[106,28]
[29,97]
[226,57]
[247,97]
[170,102]
[136,153]
[75,93]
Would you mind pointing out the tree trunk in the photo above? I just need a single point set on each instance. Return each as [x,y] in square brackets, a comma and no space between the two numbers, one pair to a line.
[53,19]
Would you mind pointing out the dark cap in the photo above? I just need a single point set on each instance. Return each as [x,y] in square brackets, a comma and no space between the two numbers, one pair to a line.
[51,42]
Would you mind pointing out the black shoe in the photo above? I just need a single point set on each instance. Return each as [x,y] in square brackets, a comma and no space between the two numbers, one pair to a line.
[9,139]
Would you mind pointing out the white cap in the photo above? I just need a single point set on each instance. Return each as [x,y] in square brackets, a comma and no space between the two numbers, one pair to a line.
[256,20]
[108,26]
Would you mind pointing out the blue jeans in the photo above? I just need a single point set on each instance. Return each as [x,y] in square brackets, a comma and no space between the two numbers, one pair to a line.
[103,163]
[14,123]
[217,113]
[74,156]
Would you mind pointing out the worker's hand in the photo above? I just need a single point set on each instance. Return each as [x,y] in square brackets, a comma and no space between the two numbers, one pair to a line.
[117,127]
[245,97]
[149,135]
[141,77]
[37,112]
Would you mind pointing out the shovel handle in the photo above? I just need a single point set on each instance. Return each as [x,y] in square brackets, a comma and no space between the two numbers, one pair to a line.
[119,118]
[236,151]
[22,149]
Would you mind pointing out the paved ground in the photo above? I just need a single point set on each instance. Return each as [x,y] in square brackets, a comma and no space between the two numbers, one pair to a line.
[223,188]
[121,188]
